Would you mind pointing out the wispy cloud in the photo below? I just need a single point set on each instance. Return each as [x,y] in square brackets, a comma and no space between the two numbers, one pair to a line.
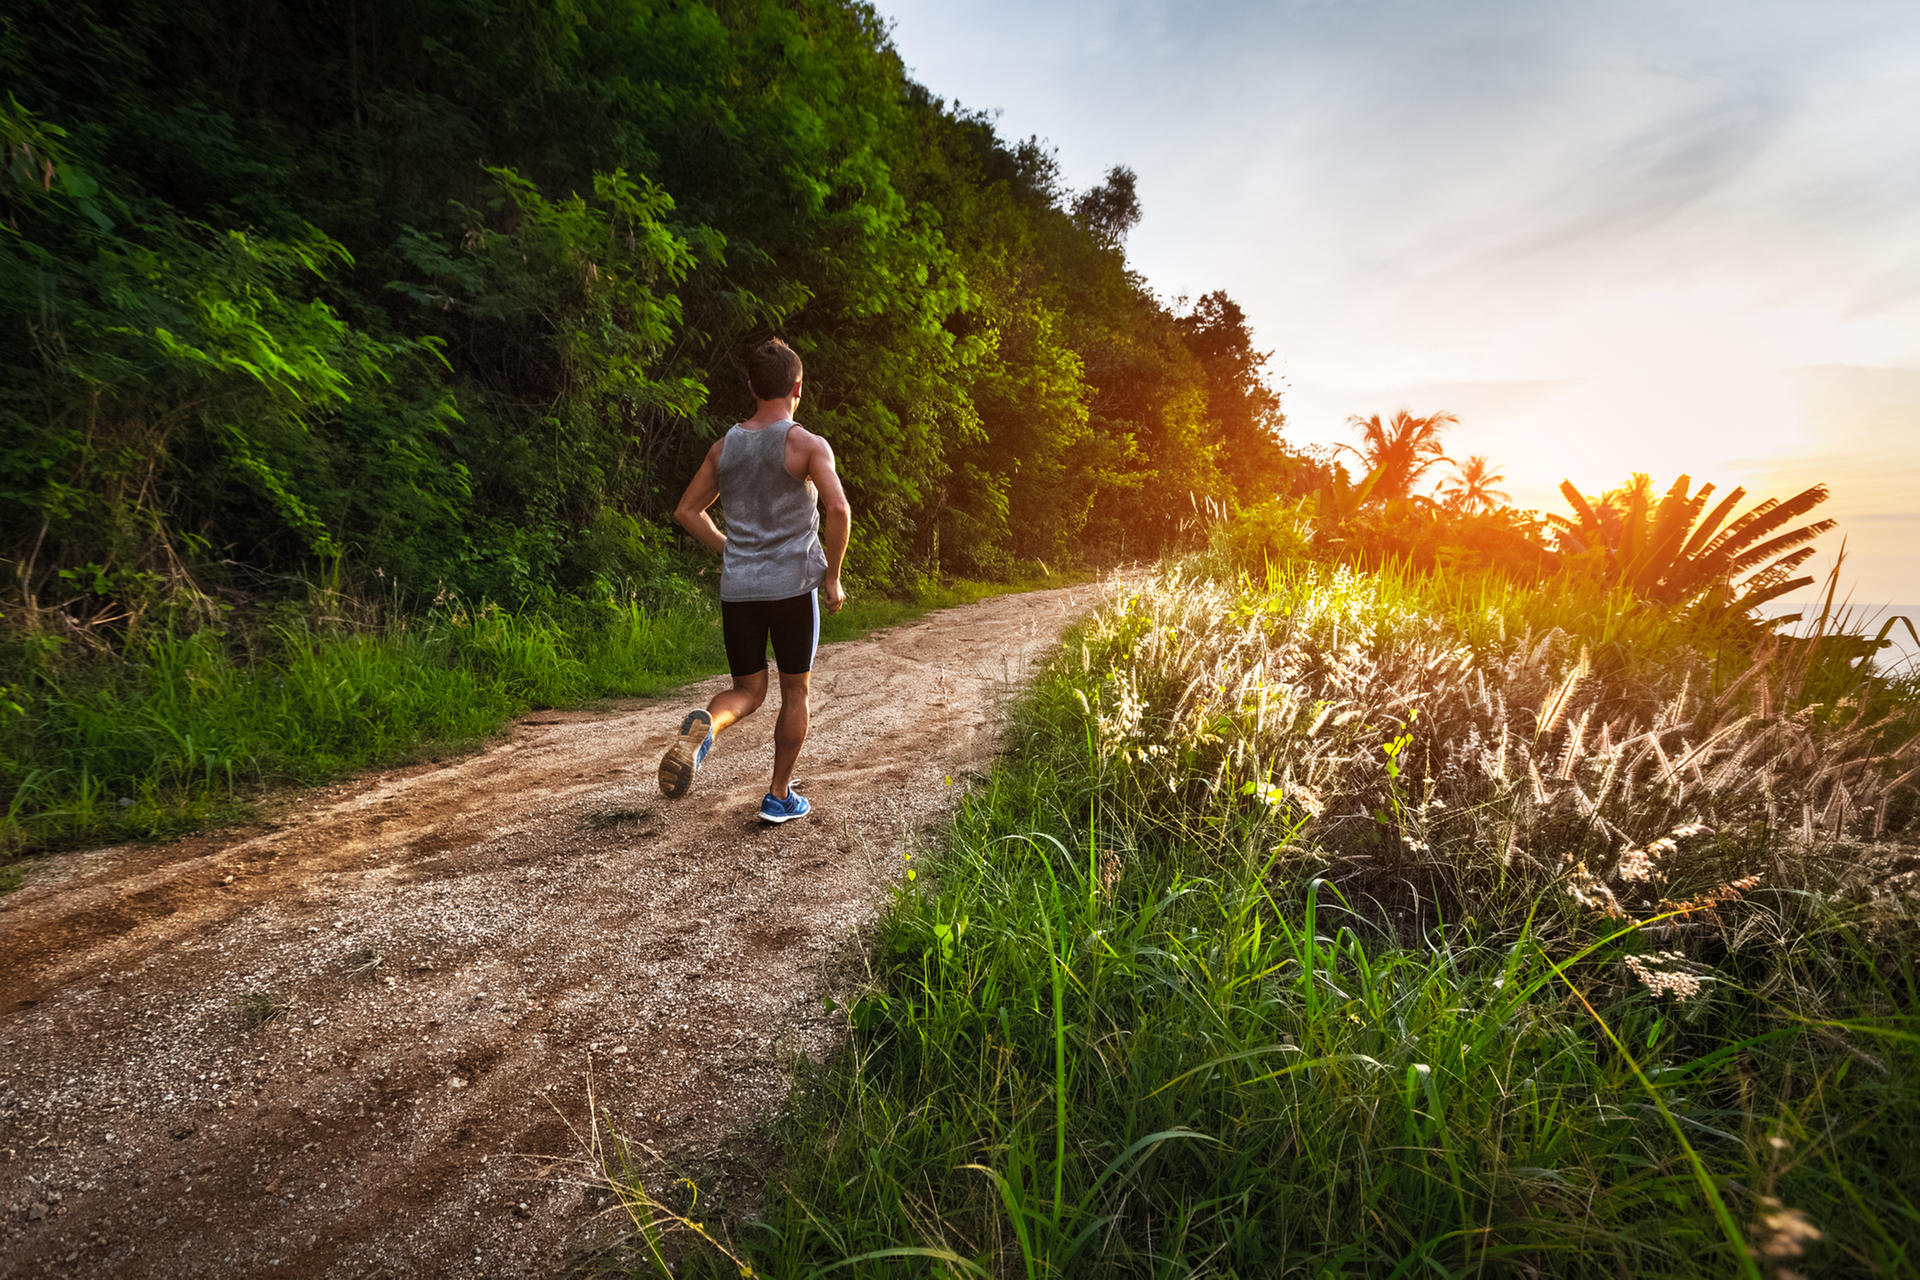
[1657,173]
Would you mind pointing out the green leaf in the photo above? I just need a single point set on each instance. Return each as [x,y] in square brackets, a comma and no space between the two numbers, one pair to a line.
[77,184]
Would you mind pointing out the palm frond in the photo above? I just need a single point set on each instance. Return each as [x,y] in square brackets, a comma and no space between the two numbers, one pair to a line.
[1754,598]
[1656,563]
[1581,507]
[1734,530]
[1713,521]
[1767,550]
[1781,566]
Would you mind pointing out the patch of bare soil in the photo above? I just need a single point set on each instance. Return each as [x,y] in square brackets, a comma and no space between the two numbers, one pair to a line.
[359,1041]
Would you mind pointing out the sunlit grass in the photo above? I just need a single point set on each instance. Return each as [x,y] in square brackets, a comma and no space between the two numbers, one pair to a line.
[1144,1014]
[178,730]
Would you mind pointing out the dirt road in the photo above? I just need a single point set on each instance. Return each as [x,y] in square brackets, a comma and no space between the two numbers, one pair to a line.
[357,1042]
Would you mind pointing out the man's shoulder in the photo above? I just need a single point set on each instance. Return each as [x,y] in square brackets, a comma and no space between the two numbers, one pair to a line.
[809,442]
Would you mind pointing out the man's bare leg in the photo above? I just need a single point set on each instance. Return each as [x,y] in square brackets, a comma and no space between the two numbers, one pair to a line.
[790,730]
[701,729]
[739,702]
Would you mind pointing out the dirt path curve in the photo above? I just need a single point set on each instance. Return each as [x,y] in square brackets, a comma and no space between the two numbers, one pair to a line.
[330,1047]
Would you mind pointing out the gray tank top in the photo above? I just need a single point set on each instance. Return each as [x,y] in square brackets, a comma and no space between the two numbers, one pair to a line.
[773,520]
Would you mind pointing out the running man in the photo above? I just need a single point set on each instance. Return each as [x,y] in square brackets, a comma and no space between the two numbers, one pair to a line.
[770,475]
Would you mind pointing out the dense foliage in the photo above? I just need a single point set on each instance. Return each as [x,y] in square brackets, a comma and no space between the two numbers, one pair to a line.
[453,293]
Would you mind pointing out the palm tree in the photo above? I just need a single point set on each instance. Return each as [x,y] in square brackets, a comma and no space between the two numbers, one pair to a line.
[1397,453]
[1613,506]
[1475,484]
[1669,553]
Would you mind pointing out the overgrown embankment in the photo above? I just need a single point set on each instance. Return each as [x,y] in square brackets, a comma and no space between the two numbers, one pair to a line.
[1364,924]
[306,317]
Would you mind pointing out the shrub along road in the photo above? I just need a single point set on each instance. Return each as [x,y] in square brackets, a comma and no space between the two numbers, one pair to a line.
[372,1038]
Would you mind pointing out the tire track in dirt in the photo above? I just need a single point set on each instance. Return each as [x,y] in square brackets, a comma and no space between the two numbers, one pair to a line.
[358,1041]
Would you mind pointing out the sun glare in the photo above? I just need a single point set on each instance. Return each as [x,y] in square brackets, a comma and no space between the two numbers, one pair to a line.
[1664,412]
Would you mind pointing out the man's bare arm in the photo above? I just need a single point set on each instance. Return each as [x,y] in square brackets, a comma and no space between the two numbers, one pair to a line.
[838,526]
[701,492]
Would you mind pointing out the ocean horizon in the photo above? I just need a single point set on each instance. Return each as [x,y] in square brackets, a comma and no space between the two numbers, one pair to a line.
[1900,657]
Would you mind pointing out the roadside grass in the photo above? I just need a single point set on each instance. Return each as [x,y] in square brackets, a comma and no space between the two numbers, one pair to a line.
[184,731]
[1125,1025]
[605,818]
[260,1007]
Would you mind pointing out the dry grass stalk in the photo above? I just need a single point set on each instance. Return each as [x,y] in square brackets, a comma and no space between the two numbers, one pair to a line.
[1526,750]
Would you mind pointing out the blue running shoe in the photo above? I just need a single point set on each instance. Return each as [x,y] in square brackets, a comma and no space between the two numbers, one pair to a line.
[773,809]
[683,758]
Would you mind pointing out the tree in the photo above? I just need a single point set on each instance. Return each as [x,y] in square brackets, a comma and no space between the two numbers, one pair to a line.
[1111,209]
[1244,411]
[1670,553]
[1475,484]
[1399,451]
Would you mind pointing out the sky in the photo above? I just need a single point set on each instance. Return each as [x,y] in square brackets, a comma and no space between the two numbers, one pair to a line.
[1612,237]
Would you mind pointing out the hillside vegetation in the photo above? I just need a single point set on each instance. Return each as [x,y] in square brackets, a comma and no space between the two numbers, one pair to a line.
[454,295]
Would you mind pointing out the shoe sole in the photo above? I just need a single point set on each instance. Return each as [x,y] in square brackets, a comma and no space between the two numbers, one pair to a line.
[774,822]
[676,767]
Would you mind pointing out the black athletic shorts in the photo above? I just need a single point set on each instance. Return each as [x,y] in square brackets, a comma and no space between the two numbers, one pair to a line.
[792,624]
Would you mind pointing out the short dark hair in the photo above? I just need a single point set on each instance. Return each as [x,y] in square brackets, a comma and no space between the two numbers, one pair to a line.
[772,369]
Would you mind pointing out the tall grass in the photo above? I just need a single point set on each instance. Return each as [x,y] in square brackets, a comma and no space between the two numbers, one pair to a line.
[181,729]
[1470,749]
[176,731]
[1144,1014]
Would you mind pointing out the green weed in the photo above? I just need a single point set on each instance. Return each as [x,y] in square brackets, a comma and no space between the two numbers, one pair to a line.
[603,819]
[262,1007]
